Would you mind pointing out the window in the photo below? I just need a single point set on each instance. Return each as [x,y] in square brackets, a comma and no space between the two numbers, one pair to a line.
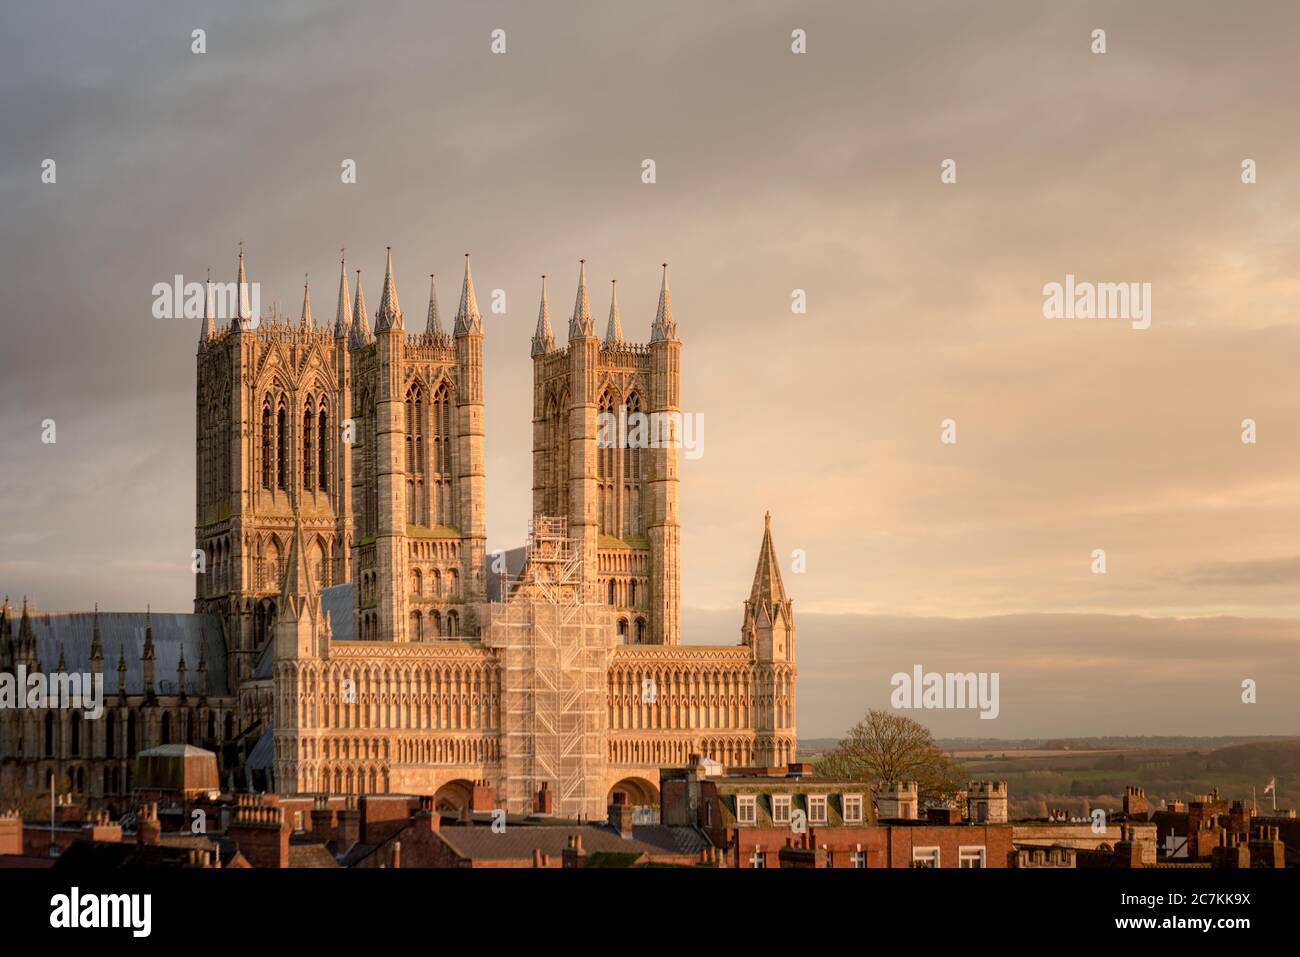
[970,857]
[745,813]
[708,814]
[853,809]
[282,449]
[308,448]
[780,809]
[322,471]
[758,859]
[858,859]
[925,857]
[268,445]
[817,809]
[297,821]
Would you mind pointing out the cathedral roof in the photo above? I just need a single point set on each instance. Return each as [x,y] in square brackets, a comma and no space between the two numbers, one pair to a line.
[194,636]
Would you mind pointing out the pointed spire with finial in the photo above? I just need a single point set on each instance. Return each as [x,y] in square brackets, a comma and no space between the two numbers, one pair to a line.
[245,314]
[360,326]
[580,325]
[390,313]
[768,587]
[613,331]
[304,321]
[209,320]
[468,320]
[664,327]
[96,645]
[148,633]
[343,314]
[543,338]
[433,324]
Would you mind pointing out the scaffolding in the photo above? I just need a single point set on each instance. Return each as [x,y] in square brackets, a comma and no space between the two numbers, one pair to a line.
[554,639]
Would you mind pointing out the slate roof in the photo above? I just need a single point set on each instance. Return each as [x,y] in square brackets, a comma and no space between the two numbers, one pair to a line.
[518,843]
[72,632]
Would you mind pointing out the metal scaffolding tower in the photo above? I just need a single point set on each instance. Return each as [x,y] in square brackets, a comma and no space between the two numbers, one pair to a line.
[554,639]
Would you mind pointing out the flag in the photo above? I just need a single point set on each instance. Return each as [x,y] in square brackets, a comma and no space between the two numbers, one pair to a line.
[1271,786]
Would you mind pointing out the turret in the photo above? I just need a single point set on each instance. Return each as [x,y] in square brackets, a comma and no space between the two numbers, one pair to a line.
[663,527]
[769,614]
[584,359]
[470,466]
[147,657]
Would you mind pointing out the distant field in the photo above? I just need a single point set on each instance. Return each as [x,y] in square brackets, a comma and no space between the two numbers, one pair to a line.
[1090,775]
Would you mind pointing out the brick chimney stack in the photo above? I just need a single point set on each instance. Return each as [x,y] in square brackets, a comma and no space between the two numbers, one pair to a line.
[620,815]
[149,833]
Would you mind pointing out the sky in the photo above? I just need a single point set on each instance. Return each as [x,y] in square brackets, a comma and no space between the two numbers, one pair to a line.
[775,172]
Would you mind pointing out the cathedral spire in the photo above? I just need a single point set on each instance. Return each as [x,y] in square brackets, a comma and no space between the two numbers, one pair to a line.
[580,326]
[96,645]
[613,331]
[433,324]
[664,327]
[209,320]
[304,321]
[390,313]
[343,315]
[245,313]
[543,338]
[768,587]
[360,327]
[468,319]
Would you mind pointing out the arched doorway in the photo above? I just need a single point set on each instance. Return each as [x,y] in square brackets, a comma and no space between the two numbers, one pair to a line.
[637,792]
[453,797]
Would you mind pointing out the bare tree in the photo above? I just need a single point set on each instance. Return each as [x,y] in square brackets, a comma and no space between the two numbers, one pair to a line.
[885,747]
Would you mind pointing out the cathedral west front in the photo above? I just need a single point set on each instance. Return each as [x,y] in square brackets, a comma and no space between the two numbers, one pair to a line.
[351,633]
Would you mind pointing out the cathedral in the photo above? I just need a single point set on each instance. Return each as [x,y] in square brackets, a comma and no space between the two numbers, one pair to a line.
[351,633]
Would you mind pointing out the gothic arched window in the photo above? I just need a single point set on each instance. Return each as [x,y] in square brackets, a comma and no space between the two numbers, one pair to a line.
[607,461]
[632,469]
[415,490]
[308,448]
[282,448]
[440,411]
[323,448]
[268,444]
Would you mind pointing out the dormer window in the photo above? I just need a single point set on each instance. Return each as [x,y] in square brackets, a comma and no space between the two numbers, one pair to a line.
[745,809]
[780,809]
[817,809]
[852,808]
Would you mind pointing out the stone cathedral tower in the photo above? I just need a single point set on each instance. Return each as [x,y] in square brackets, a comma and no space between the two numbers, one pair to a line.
[619,497]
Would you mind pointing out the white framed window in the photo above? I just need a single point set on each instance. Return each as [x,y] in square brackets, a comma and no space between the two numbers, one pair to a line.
[745,813]
[852,808]
[817,809]
[925,857]
[858,859]
[758,859]
[970,857]
[780,809]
